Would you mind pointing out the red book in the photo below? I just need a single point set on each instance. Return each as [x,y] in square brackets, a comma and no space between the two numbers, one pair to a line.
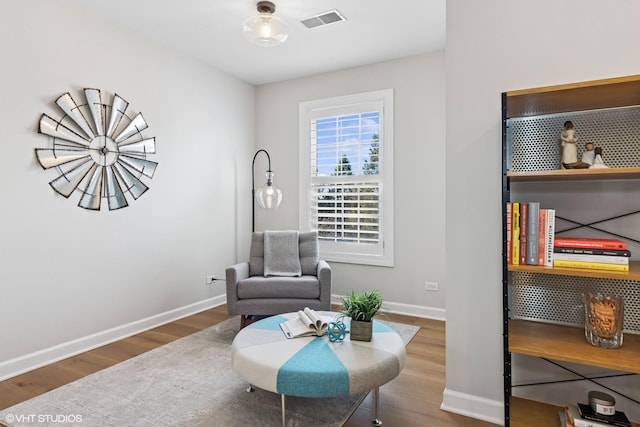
[586,242]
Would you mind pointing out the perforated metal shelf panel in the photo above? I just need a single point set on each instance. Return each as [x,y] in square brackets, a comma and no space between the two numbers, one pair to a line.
[558,299]
[535,141]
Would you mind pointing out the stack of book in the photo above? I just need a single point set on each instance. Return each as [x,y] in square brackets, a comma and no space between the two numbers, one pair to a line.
[592,254]
[581,415]
[530,233]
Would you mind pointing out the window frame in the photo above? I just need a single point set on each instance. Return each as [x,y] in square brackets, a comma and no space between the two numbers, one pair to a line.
[380,254]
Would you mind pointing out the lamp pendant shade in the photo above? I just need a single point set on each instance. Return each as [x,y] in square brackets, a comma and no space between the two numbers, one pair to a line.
[269,196]
[265,29]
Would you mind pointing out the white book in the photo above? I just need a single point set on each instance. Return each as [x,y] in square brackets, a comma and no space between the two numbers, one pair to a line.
[549,238]
[577,421]
[607,259]
[306,323]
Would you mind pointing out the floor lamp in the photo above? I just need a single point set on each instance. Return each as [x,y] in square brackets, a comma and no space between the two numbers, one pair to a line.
[268,196]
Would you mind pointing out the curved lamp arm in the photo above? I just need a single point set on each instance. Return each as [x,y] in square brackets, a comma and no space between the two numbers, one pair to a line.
[269,196]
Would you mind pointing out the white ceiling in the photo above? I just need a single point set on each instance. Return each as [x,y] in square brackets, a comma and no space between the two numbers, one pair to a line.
[211,30]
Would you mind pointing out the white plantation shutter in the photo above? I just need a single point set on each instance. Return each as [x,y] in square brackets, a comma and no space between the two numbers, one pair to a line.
[346,176]
[346,211]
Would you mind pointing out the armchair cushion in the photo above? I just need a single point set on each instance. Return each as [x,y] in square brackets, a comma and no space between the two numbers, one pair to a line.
[309,252]
[279,287]
[256,254]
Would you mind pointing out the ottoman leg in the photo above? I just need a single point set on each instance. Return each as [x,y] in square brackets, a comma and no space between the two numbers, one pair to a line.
[283,417]
[376,407]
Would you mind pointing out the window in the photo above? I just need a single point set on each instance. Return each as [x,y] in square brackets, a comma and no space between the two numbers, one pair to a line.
[346,173]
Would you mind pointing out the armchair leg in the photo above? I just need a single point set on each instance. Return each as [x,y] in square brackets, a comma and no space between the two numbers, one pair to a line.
[247,319]
[244,320]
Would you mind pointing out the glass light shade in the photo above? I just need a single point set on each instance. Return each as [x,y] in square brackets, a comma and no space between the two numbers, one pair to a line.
[265,29]
[269,196]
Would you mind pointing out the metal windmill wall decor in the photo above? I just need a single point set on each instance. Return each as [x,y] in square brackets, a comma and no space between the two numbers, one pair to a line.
[98,149]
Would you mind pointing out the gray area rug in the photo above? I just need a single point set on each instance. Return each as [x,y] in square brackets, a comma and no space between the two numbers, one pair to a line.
[188,382]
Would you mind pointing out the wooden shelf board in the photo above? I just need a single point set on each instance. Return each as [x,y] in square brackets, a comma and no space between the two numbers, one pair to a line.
[568,343]
[575,174]
[632,274]
[531,413]
[526,413]
[597,94]
[578,85]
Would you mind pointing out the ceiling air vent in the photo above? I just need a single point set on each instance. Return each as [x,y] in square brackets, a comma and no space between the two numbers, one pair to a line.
[323,19]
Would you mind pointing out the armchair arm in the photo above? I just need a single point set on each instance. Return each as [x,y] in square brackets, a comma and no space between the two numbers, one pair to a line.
[234,274]
[324,276]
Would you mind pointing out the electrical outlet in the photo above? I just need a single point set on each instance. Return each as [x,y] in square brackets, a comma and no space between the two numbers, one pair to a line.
[430,286]
[211,278]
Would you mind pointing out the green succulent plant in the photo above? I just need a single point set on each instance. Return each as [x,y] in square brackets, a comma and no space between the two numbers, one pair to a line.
[362,306]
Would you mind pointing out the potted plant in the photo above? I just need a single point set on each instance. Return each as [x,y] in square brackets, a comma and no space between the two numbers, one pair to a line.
[361,308]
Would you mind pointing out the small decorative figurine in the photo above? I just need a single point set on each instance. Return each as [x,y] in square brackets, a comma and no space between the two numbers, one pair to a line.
[569,139]
[589,155]
[598,163]
[587,158]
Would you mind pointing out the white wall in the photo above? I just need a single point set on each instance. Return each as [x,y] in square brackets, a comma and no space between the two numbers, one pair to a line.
[495,46]
[70,274]
[418,84]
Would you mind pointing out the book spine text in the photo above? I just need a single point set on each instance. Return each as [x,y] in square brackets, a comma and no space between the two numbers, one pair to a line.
[590,265]
[533,219]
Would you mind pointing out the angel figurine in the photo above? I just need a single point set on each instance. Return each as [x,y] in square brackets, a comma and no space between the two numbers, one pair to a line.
[598,163]
[568,140]
[588,158]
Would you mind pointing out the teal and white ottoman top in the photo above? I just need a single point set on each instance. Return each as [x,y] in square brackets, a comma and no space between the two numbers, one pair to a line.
[314,366]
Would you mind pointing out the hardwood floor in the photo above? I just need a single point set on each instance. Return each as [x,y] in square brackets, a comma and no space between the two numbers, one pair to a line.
[412,399]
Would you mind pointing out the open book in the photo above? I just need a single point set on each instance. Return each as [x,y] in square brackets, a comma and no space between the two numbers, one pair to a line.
[306,323]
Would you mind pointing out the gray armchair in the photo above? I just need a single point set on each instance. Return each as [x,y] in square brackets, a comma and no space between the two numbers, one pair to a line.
[252,293]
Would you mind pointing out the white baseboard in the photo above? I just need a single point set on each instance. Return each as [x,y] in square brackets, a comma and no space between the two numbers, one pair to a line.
[472,406]
[29,362]
[408,309]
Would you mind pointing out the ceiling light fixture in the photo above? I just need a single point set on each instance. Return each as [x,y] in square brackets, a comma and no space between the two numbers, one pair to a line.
[265,29]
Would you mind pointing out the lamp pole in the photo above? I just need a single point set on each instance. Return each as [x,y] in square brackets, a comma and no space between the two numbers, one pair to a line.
[253,188]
